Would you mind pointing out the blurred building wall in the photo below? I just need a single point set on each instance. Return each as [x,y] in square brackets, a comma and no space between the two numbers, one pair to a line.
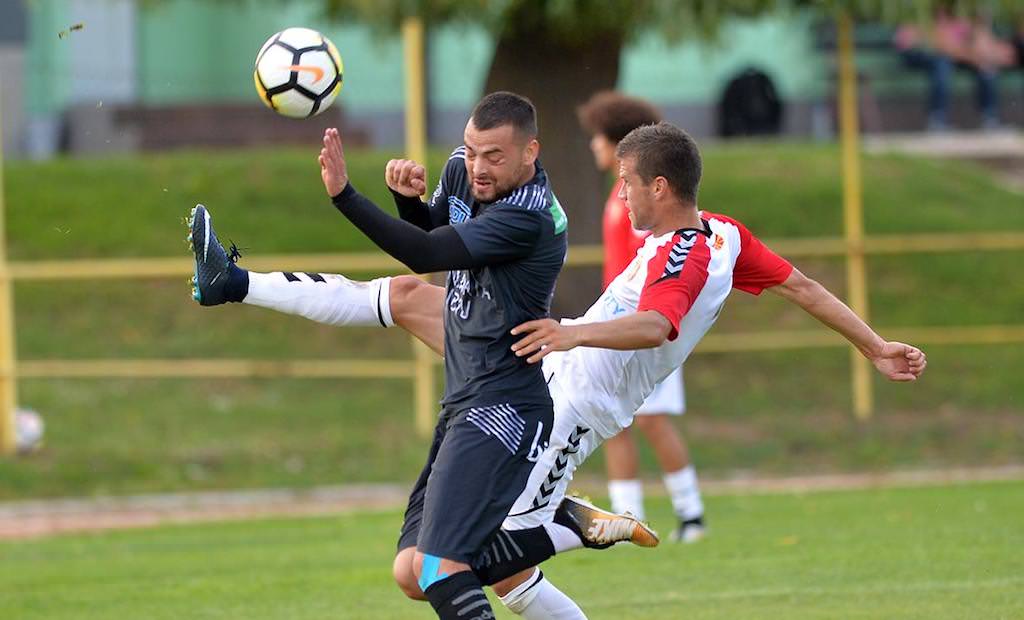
[184,52]
[192,53]
[13,25]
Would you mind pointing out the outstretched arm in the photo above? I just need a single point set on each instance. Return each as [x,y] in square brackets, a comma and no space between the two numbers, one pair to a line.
[438,250]
[896,360]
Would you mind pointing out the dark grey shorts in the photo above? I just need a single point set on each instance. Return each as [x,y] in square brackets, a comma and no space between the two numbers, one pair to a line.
[479,463]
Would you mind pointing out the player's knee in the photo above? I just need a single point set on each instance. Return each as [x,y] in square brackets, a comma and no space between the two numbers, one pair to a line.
[517,598]
[623,436]
[505,586]
[401,292]
[405,577]
[652,423]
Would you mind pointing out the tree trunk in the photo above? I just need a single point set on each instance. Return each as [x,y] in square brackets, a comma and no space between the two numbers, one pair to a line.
[558,76]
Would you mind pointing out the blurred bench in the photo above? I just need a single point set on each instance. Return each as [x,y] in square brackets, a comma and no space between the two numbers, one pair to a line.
[892,96]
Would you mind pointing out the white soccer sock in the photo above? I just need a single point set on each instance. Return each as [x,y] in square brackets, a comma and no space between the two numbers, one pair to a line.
[538,599]
[562,538]
[627,496]
[682,487]
[324,298]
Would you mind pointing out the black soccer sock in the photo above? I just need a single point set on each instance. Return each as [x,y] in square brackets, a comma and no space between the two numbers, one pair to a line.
[511,551]
[460,597]
[237,286]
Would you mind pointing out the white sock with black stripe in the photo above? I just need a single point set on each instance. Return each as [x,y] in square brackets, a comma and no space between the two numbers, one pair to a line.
[325,298]
[538,599]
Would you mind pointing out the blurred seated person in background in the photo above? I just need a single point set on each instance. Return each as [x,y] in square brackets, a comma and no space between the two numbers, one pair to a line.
[948,42]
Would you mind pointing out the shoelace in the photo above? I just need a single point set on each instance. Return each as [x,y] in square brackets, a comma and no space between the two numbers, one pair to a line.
[234,253]
[610,530]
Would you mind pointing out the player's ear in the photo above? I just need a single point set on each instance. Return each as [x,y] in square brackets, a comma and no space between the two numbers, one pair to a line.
[531,152]
[660,186]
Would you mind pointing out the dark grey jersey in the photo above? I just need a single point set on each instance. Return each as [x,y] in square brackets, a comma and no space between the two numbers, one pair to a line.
[521,241]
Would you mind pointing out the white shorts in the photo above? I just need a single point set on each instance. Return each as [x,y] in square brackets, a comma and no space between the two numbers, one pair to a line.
[667,397]
[572,441]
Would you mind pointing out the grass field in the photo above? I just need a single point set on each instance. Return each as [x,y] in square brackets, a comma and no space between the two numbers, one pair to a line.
[771,412]
[936,552]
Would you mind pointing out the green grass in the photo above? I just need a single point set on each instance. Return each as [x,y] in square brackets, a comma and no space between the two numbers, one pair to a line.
[778,412]
[940,552]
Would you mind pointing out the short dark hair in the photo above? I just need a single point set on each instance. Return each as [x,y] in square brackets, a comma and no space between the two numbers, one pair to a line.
[505,108]
[664,150]
[613,115]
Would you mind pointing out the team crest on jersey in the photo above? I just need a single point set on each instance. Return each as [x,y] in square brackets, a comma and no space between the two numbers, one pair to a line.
[458,211]
[719,242]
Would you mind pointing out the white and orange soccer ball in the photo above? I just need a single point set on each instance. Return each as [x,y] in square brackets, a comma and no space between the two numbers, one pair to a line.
[298,72]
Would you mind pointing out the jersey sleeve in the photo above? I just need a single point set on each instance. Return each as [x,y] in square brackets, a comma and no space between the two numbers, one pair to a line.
[675,277]
[757,267]
[501,234]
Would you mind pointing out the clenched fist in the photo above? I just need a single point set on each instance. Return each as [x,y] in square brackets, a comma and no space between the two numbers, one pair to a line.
[406,177]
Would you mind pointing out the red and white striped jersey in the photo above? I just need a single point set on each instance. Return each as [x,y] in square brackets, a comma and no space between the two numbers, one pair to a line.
[685,276]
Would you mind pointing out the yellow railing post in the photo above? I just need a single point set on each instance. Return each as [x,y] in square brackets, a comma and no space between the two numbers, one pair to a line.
[416,148]
[8,377]
[853,212]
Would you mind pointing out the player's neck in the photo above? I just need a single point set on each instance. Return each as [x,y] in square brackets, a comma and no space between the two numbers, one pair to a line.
[683,217]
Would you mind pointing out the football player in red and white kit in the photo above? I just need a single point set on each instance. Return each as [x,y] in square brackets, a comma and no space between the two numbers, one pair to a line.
[604,364]
[608,116]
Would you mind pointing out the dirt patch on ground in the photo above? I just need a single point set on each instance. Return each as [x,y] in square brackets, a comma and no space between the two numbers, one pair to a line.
[32,519]
[35,519]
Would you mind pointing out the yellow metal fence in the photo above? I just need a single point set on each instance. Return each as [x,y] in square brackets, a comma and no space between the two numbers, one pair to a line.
[419,368]
[854,246]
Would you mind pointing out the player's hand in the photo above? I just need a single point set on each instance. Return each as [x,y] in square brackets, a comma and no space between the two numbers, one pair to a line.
[406,177]
[542,337]
[900,362]
[333,170]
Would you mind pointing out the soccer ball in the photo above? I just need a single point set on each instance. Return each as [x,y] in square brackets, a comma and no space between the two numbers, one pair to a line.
[28,430]
[298,72]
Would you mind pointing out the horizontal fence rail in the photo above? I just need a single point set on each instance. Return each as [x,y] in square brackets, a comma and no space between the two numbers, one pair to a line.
[579,256]
[216,368]
[413,369]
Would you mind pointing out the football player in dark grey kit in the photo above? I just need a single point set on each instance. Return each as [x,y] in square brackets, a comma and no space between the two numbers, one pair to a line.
[496,227]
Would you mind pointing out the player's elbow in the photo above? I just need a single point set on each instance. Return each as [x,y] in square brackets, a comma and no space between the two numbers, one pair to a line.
[660,337]
[797,287]
[656,333]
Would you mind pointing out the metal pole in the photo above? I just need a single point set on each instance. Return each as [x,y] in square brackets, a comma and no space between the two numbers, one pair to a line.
[853,212]
[8,377]
[424,398]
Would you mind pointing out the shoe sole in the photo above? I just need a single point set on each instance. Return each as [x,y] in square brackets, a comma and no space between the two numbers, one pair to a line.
[583,512]
[196,295]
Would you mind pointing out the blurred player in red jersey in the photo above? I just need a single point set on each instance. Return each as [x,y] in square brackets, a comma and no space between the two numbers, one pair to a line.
[608,116]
